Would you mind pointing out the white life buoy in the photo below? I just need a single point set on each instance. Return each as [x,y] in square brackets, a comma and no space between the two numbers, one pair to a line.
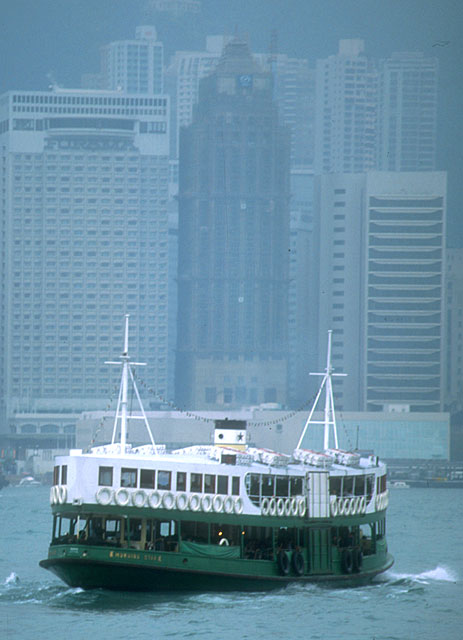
[287,506]
[206,503]
[334,507]
[264,506]
[347,506]
[341,506]
[228,504]
[353,506]
[139,498]
[239,506]
[62,494]
[195,502]
[122,497]
[386,499]
[224,542]
[168,500]
[294,507]
[181,501]
[280,507]
[155,499]
[104,495]
[302,507]
[52,495]
[362,505]
[272,507]
[217,503]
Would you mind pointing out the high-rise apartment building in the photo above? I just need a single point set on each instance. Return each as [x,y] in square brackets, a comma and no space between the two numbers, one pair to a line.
[382,240]
[131,66]
[407,112]
[85,240]
[233,241]
[345,111]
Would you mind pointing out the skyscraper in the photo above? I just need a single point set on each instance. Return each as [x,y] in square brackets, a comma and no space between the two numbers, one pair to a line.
[407,112]
[84,220]
[381,278]
[233,241]
[345,111]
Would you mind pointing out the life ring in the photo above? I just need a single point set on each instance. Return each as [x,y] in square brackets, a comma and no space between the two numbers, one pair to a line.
[122,497]
[52,495]
[224,542]
[181,501]
[378,502]
[195,502]
[104,495]
[139,498]
[155,499]
[346,561]
[239,505]
[283,563]
[341,507]
[386,499]
[168,500]
[294,507]
[347,506]
[353,506]
[62,494]
[334,508]
[362,505]
[264,506]
[357,559]
[297,563]
[280,507]
[272,507]
[302,507]
[287,507]
[206,503]
[228,504]
[217,503]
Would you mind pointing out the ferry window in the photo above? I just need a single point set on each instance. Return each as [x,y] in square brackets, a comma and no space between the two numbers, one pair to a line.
[268,485]
[147,477]
[135,530]
[295,486]
[282,486]
[196,482]
[235,486]
[222,485]
[348,486]
[359,485]
[112,532]
[128,478]
[209,483]
[370,486]
[64,474]
[254,485]
[164,480]
[55,475]
[335,485]
[181,481]
[105,477]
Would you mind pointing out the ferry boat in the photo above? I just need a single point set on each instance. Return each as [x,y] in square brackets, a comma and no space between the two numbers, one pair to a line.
[219,516]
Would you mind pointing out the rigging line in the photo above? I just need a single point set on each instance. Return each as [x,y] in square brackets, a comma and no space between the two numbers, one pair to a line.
[346,432]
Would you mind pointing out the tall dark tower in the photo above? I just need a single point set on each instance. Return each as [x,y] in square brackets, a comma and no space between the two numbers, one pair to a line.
[233,241]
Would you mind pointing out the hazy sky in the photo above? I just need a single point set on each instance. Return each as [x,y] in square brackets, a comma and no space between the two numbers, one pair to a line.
[63,37]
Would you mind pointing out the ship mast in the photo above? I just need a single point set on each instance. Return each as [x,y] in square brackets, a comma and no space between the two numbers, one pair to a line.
[121,409]
[329,414]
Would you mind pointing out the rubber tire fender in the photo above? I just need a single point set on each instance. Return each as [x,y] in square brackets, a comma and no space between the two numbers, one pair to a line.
[283,563]
[297,563]
[347,562]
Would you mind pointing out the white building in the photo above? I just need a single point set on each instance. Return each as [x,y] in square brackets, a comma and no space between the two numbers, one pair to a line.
[84,240]
[454,333]
[382,238]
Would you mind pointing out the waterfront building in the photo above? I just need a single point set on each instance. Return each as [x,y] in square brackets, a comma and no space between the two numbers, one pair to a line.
[233,241]
[85,240]
[454,330]
[382,239]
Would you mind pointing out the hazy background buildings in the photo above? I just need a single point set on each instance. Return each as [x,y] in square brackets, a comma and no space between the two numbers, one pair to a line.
[239,177]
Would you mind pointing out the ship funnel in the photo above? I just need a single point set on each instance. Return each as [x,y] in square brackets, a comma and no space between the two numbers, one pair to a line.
[230,434]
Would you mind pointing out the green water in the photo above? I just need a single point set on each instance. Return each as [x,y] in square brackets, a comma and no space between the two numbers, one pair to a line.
[421,597]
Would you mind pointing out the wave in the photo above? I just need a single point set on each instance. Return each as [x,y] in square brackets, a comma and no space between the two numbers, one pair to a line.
[439,574]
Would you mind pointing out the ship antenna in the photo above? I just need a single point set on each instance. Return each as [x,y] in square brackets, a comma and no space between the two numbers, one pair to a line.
[330,416]
[121,409]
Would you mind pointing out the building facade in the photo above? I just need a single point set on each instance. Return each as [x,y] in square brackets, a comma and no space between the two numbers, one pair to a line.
[84,221]
[233,241]
[382,242]
[454,332]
